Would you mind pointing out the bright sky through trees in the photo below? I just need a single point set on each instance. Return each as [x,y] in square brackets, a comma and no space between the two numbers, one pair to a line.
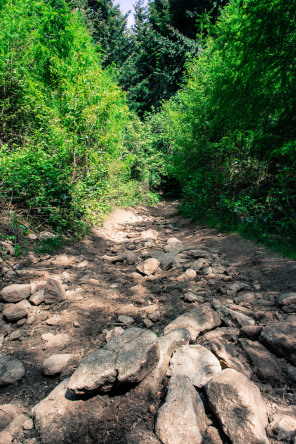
[125,6]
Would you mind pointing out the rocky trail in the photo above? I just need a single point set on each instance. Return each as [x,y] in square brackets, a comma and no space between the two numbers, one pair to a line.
[153,330]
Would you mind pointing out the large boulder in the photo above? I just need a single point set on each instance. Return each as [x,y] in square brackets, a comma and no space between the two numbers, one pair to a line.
[280,339]
[237,403]
[126,359]
[167,345]
[182,418]
[196,362]
[195,321]
[61,417]
[16,292]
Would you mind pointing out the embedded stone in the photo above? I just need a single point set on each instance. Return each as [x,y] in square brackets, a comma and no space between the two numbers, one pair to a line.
[16,292]
[239,407]
[195,321]
[181,419]
[196,362]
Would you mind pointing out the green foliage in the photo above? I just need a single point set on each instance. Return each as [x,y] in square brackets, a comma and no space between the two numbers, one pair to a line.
[108,27]
[62,117]
[233,124]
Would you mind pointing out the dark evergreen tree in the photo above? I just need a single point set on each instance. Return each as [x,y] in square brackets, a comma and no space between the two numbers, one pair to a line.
[164,37]
[109,29]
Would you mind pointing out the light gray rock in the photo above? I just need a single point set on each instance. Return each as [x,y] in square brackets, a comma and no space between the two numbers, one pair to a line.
[150,234]
[167,345]
[196,362]
[237,403]
[237,286]
[234,318]
[173,240]
[137,354]
[7,413]
[54,292]
[181,419]
[148,323]
[54,320]
[223,333]
[189,275]
[58,341]
[126,359]
[280,339]
[16,292]
[283,426]
[37,298]
[149,266]
[112,333]
[11,370]
[55,364]
[125,320]
[61,417]
[15,428]
[191,297]
[195,321]
[287,299]
[227,357]
[166,260]
[248,297]
[174,248]
[14,312]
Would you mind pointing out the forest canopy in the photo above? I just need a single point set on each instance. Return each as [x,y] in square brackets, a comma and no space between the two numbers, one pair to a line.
[197,98]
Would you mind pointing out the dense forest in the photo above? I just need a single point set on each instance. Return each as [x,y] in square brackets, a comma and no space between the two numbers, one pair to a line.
[196,99]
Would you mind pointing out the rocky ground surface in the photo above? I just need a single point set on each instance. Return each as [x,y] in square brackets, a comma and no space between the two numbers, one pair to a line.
[153,330]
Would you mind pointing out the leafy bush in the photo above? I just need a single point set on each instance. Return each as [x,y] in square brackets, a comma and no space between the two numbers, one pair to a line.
[233,125]
[62,117]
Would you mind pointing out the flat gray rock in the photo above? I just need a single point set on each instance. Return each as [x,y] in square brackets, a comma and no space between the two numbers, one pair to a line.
[280,339]
[181,419]
[239,407]
[55,364]
[195,321]
[126,359]
[234,318]
[196,362]
[137,354]
[16,292]
[61,418]
[11,370]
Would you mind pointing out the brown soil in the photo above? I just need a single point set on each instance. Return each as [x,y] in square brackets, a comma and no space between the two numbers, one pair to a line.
[94,305]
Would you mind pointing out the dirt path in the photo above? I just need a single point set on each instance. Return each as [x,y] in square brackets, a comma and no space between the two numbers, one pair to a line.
[101,282]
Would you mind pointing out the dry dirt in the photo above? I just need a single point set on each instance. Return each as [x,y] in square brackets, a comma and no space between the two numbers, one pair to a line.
[97,289]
